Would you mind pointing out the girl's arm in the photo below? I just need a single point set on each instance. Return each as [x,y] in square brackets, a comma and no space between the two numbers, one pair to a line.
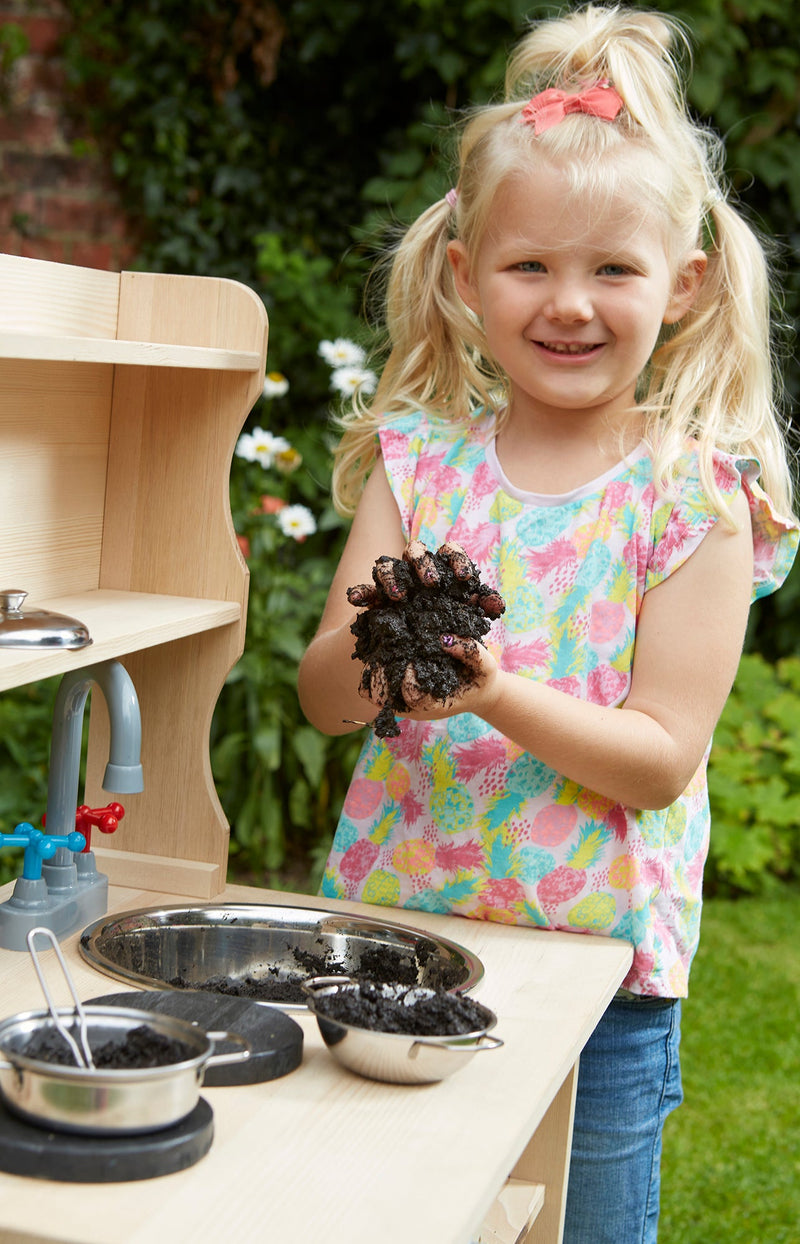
[643,754]
[328,677]
[688,644]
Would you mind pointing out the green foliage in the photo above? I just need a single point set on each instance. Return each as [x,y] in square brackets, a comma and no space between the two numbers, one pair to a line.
[754,780]
[14,43]
[281,782]
[310,299]
[753,44]
[25,725]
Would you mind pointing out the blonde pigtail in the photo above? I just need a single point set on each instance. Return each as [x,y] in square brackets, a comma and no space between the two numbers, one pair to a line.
[730,404]
[435,361]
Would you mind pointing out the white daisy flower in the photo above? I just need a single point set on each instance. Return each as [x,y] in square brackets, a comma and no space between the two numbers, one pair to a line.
[342,353]
[275,384]
[260,446]
[288,460]
[354,380]
[296,521]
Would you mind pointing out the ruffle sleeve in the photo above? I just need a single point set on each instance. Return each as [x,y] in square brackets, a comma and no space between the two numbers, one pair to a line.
[679,525]
[402,442]
[429,464]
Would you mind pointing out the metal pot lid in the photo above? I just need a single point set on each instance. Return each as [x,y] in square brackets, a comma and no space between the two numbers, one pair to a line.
[37,628]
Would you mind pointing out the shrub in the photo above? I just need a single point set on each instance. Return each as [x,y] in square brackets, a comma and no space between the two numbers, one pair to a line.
[280,781]
[754,780]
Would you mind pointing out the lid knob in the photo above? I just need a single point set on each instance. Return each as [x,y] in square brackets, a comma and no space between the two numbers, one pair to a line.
[11,599]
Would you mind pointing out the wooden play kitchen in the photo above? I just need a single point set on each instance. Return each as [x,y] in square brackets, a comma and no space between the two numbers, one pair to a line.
[121,398]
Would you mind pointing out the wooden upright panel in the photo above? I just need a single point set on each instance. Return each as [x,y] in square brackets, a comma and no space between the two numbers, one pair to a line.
[168,530]
[54,423]
[53,428]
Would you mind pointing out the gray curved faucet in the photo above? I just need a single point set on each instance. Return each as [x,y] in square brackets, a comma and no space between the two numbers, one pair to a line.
[123,773]
[70,891]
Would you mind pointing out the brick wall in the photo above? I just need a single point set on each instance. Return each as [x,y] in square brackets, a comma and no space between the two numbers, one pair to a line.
[56,199]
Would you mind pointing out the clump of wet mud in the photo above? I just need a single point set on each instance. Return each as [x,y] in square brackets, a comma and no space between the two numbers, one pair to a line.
[376,964]
[401,630]
[431,1013]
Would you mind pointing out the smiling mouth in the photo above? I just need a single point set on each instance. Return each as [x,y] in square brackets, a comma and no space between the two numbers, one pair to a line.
[569,347]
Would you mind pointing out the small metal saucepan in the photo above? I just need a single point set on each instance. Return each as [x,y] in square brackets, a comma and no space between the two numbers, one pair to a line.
[106,1101]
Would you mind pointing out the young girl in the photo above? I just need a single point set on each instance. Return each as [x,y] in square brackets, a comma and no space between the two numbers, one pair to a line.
[579,396]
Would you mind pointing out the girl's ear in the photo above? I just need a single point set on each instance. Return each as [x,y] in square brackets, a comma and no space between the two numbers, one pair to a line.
[465,284]
[687,285]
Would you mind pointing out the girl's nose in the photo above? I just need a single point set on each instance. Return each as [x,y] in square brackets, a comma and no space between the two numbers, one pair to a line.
[569,301]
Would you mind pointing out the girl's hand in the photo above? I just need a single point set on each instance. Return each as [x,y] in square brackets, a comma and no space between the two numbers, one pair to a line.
[471,697]
[398,641]
[419,560]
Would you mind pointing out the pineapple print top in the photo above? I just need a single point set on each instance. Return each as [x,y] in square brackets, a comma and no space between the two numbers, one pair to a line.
[452,816]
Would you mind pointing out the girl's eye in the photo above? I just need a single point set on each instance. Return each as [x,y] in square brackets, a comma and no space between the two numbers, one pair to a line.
[530,265]
[614,269]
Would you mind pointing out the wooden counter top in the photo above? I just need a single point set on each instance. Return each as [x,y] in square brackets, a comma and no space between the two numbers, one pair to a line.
[323,1155]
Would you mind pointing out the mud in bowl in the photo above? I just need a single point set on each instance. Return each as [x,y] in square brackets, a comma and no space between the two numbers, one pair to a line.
[396,1033]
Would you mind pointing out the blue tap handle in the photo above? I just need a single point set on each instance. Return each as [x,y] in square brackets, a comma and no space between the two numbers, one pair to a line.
[39,846]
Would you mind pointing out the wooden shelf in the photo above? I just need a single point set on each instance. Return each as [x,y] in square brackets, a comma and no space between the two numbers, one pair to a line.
[118,622]
[122,396]
[60,349]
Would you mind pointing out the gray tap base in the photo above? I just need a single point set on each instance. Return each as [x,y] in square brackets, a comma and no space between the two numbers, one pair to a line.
[62,908]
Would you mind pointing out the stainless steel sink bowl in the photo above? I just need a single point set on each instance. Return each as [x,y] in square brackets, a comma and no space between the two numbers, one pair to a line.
[267,951]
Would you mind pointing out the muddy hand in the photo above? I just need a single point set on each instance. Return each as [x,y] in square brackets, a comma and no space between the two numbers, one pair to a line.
[385,585]
[491,603]
[373,685]
[458,561]
[421,561]
[424,566]
[468,651]
[363,594]
[392,577]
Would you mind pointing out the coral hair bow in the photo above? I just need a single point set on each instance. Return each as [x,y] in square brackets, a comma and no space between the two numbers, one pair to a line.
[548,108]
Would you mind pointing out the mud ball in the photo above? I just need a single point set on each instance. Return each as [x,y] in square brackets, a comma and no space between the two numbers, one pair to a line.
[394,634]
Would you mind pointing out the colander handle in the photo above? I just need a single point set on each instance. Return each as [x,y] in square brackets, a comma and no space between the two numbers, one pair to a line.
[457,1044]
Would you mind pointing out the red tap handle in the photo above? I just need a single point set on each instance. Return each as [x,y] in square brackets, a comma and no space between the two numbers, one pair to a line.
[105,819]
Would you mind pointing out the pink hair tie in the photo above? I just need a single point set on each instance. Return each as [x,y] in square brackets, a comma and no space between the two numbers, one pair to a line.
[451,198]
[550,107]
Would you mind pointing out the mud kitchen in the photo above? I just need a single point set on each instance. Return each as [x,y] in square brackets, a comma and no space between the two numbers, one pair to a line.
[269,1111]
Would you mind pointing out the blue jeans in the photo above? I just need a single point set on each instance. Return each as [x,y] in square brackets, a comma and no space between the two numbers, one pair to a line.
[629,1080]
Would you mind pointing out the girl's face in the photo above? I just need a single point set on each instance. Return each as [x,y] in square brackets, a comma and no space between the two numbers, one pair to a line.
[572,296]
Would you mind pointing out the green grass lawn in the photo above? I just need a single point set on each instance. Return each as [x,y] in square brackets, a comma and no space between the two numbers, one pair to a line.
[731,1165]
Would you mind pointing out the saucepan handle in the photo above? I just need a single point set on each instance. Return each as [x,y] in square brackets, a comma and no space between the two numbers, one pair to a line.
[234,1056]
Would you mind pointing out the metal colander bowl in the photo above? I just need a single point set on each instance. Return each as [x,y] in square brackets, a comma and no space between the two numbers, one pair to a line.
[397,1058]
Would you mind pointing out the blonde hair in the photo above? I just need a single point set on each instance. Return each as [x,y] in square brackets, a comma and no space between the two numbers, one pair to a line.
[711,376]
